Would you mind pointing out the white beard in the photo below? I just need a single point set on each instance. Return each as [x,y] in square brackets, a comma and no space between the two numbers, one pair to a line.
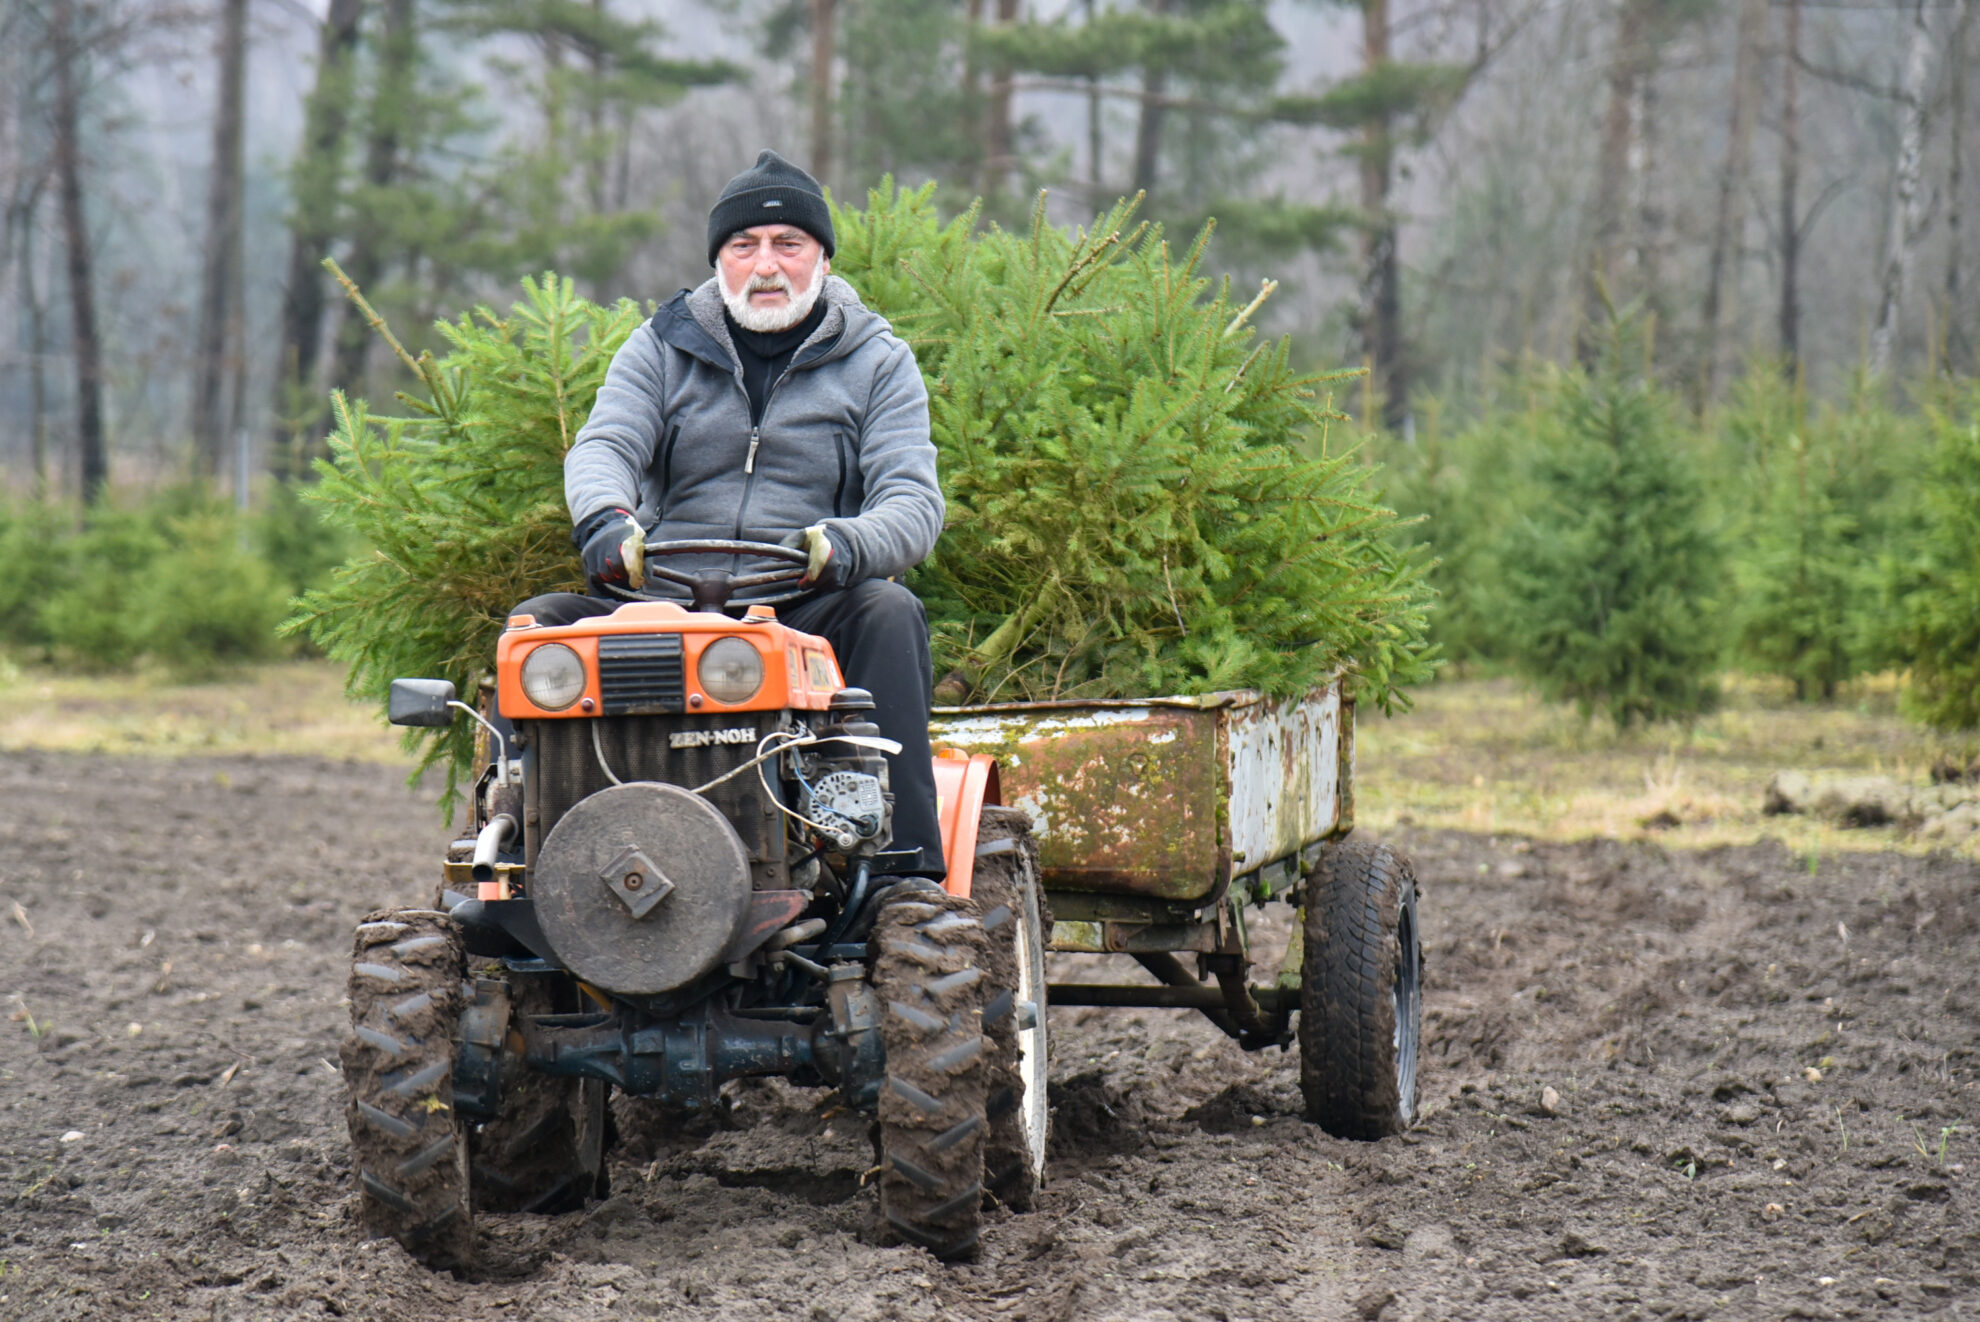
[766,321]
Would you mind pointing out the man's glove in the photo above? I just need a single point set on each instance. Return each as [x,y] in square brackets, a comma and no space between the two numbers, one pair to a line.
[614,547]
[826,567]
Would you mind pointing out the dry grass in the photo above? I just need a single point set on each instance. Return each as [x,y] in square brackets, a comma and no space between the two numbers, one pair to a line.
[1488,756]
[292,707]
[1475,755]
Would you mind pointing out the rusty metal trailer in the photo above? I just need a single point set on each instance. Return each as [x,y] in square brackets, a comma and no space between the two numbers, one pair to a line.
[1160,820]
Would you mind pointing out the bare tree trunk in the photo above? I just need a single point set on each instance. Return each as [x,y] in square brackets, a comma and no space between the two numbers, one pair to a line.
[92,456]
[595,164]
[1791,226]
[35,318]
[1094,147]
[220,285]
[317,184]
[1148,129]
[1612,178]
[1957,350]
[973,109]
[1380,315]
[1000,153]
[1726,226]
[1646,243]
[398,57]
[1904,220]
[824,32]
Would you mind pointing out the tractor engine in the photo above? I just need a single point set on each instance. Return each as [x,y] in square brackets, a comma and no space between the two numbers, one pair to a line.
[686,779]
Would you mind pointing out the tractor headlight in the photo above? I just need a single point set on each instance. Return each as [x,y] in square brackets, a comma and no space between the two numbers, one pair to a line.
[730,670]
[553,676]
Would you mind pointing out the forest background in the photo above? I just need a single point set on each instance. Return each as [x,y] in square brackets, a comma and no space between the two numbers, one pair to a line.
[1679,286]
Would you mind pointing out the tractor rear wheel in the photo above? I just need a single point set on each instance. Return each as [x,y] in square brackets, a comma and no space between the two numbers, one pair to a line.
[411,1151]
[931,1128]
[1361,995]
[545,1151]
[1005,889]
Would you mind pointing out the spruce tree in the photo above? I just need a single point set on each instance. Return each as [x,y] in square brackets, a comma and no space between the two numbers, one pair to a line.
[1460,491]
[1801,578]
[1612,576]
[1802,566]
[1939,633]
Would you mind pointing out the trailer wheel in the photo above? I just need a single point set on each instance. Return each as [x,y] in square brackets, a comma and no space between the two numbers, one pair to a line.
[1361,1002]
[1005,889]
[931,1129]
[410,1149]
[545,1152]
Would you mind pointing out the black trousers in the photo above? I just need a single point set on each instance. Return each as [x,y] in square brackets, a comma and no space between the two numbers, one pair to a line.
[879,632]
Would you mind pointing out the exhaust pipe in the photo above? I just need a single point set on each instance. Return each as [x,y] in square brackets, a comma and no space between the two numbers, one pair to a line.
[488,844]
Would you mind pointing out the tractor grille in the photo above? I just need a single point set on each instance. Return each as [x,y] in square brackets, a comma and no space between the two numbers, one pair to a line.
[562,767]
[641,673]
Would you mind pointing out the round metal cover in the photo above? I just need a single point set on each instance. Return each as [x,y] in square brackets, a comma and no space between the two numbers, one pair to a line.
[597,877]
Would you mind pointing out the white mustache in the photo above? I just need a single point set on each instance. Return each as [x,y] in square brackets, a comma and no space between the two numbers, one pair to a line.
[756,282]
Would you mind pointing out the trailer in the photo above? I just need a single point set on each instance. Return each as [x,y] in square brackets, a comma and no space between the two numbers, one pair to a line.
[1161,823]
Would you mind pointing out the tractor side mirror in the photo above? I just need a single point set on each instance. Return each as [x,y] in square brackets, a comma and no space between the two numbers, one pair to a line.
[421,702]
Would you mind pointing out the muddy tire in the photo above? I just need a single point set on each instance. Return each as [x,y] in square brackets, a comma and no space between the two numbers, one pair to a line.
[545,1152]
[1005,889]
[1361,1001]
[411,1152]
[931,1127]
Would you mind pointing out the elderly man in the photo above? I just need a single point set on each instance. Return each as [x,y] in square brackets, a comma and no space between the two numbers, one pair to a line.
[772,405]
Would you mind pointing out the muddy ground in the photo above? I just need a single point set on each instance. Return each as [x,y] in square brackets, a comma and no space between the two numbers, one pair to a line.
[1762,1072]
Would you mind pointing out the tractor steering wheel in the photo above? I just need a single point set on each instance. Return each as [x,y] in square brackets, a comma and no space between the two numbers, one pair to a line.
[710,589]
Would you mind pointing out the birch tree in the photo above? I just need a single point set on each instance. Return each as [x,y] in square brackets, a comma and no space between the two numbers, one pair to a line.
[1905,217]
[1958,348]
[1789,236]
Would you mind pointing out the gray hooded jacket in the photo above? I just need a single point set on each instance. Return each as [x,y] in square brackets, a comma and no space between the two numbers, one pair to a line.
[843,440]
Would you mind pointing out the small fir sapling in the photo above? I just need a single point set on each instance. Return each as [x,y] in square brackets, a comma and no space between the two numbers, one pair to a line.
[1612,577]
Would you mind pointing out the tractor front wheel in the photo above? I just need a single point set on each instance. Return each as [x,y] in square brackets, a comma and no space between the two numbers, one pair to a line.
[411,1150]
[928,976]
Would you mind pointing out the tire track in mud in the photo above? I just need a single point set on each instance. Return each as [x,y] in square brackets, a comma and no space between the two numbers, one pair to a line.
[1754,1070]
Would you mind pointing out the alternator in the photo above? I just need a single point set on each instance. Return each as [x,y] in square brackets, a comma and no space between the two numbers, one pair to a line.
[849,804]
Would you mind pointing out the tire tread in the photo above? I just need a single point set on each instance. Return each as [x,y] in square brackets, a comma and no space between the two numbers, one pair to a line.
[410,1150]
[1355,898]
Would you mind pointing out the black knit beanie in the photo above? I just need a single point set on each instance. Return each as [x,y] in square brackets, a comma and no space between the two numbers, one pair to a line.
[771,192]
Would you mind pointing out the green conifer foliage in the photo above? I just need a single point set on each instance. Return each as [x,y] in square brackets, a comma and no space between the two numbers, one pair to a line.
[1801,578]
[1141,495]
[1940,629]
[1801,569]
[1611,578]
[1461,491]
[461,503]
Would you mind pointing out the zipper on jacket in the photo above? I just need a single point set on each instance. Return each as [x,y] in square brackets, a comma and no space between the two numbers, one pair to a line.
[755,441]
[756,435]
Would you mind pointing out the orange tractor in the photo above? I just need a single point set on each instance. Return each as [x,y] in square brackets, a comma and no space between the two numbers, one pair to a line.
[680,875]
